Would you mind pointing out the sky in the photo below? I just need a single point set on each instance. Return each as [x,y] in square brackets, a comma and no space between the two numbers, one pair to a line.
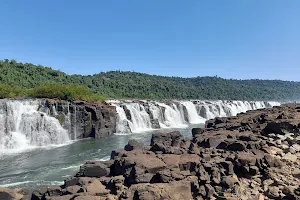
[241,39]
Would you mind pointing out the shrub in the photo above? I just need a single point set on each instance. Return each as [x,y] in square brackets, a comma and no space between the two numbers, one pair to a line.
[7,91]
[64,92]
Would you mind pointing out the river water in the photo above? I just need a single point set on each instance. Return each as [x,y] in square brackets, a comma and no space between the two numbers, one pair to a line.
[40,167]
[36,150]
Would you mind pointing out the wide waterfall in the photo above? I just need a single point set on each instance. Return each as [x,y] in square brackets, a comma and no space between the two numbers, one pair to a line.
[137,116]
[23,126]
[29,123]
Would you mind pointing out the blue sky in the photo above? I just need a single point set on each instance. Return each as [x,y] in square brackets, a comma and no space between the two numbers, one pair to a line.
[232,39]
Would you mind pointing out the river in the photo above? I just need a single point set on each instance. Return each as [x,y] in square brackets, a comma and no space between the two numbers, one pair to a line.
[40,167]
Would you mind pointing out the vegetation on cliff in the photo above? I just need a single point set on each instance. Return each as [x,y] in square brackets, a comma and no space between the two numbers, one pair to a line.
[64,92]
[117,84]
[53,91]
[7,91]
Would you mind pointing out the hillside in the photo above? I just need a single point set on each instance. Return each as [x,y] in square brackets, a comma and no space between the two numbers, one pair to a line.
[117,84]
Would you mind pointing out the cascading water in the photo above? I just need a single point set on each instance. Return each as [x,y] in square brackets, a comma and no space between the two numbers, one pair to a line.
[23,127]
[193,116]
[133,117]
[140,118]
[124,125]
[172,116]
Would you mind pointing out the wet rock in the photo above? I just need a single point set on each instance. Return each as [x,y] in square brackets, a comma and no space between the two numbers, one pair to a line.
[155,124]
[167,139]
[95,120]
[197,131]
[95,169]
[133,145]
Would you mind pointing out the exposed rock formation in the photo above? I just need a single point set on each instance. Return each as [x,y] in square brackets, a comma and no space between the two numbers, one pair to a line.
[83,119]
[255,155]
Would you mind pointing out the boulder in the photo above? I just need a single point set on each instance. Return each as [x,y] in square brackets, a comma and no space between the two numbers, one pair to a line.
[72,189]
[281,127]
[229,181]
[144,161]
[197,131]
[9,194]
[90,197]
[273,192]
[176,190]
[95,169]
[65,197]
[77,181]
[167,139]
[236,146]
[290,157]
[133,145]
[95,187]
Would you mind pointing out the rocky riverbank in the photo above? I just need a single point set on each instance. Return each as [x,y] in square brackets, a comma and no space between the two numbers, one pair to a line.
[255,155]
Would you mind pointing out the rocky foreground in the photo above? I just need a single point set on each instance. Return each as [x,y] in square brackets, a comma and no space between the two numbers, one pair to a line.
[255,155]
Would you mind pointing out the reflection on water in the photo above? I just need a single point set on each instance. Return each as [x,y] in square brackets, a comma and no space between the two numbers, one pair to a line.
[44,167]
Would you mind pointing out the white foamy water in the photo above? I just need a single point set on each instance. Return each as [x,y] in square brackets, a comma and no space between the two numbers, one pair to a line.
[193,116]
[23,127]
[142,116]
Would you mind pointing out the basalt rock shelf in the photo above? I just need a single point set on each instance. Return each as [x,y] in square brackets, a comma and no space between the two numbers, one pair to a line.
[255,155]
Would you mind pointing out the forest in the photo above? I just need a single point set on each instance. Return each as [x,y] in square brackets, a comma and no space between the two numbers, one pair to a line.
[27,80]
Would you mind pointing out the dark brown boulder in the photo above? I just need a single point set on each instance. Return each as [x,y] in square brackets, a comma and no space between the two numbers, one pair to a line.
[177,190]
[95,169]
[167,139]
[282,126]
[236,146]
[197,131]
[133,145]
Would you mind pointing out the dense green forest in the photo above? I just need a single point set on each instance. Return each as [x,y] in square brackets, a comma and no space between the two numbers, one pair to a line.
[26,79]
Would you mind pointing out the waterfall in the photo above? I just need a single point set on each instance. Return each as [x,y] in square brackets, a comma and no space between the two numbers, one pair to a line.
[139,116]
[172,116]
[26,124]
[124,125]
[23,126]
[193,116]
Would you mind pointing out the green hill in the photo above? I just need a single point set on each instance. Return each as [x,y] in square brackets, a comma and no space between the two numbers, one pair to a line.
[118,84]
